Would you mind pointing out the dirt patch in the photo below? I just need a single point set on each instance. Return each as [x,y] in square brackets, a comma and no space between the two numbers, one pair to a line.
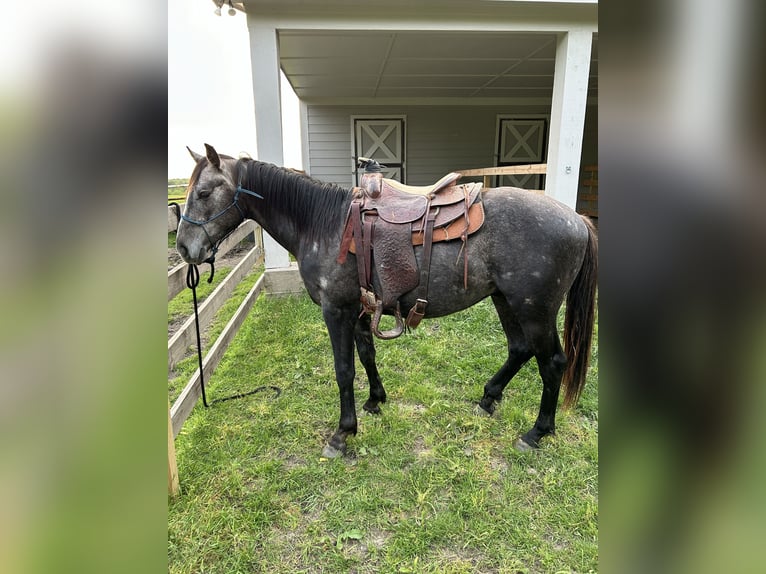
[173,258]
[292,462]
[498,462]
[377,538]
[370,543]
[421,451]
[465,557]
[415,408]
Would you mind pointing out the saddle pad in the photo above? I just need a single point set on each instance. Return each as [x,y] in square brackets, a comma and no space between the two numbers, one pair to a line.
[445,182]
[452,231]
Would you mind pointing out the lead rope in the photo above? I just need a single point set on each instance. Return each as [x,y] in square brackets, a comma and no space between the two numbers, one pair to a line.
[192,280]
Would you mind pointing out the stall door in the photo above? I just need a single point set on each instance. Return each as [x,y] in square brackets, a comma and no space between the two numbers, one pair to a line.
[381,139]
[521,141]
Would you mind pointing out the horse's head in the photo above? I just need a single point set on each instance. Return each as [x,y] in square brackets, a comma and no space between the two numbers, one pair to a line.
[211,210]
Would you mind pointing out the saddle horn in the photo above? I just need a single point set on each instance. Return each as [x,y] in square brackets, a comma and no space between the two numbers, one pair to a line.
[369,165]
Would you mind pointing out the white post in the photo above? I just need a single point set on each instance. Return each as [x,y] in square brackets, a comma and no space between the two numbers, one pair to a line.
[264,57]
[305,156]
[570,91]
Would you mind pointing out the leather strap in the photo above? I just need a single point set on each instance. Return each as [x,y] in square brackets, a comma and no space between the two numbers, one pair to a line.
[356,221]
[418,310]
[347,237]
[464,238]
[368,230]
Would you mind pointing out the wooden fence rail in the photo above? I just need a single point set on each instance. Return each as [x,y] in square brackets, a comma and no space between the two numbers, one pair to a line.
[488,172]
[184,337]
[180,342]
[185,402]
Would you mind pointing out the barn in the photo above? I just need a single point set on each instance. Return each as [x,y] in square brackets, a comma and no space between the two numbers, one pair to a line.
[431,87]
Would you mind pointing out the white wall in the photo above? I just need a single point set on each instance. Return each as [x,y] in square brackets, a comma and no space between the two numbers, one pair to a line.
[439,139]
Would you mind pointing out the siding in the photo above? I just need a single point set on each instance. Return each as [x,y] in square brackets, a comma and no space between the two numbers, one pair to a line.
[439,139]
[329,145]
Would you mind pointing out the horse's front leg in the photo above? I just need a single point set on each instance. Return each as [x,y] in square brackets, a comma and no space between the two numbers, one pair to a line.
[340,323]
[366,349]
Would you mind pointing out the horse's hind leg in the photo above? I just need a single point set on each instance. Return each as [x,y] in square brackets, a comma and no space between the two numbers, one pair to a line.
[518,354]
[551,362]
[366,349]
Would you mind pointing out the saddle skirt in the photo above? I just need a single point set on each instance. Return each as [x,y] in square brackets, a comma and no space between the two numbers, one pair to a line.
[447,227]
[386,222]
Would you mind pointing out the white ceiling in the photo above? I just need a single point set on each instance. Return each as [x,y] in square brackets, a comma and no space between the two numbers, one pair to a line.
[323,64]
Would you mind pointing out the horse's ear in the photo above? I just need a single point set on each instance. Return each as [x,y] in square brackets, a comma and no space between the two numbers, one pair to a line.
[194,154]
[212,156]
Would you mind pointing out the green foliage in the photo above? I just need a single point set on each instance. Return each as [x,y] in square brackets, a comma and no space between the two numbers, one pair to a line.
[425,487]
[177,193]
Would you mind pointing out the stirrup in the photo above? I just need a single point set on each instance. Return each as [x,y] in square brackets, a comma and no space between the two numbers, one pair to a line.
[392,333]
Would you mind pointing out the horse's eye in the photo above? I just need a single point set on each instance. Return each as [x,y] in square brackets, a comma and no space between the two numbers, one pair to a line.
[203,193]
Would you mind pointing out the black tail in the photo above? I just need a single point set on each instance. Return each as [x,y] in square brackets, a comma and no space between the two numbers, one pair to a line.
[578,323]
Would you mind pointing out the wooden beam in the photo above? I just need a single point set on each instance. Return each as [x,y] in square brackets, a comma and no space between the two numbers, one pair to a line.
[191,392]
[184,337]
[176,280]
[506,170]
[177,275]
[172,218]
[173,484]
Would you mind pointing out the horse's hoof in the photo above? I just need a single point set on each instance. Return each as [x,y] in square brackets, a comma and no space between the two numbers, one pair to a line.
[372,409]
[479,411]
[523,446]
[330,451]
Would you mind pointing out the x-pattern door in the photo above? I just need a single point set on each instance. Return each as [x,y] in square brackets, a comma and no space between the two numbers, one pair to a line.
[383,141]
[521,141]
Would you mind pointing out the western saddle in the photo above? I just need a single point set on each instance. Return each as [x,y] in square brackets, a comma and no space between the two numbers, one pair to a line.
[386,220]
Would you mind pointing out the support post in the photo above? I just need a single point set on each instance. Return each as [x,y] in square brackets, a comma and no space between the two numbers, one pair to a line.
[570,91]
[264,57]
[173,484]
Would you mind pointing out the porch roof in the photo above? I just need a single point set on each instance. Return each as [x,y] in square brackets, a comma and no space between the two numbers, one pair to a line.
[333,51]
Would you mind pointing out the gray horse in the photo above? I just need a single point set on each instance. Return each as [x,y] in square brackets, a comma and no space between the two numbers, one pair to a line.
[530,254]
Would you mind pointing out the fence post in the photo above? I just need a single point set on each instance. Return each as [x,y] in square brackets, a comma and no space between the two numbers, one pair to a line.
[173,483]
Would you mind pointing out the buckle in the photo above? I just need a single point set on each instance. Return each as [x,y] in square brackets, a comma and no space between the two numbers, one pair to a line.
[369,301]
[416,314]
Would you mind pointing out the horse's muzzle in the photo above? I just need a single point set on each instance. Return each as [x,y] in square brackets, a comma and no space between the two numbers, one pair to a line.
[194,254]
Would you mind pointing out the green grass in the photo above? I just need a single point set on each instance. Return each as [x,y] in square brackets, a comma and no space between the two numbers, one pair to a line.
[426,487]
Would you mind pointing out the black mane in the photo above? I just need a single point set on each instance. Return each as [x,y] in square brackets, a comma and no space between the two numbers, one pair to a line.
[318,208]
